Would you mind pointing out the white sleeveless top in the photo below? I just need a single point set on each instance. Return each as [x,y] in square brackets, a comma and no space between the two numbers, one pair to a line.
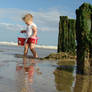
[29,31]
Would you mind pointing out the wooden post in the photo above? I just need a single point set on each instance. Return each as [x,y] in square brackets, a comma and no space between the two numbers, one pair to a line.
[63,34]
[72,35]
[67,35]
[83,29]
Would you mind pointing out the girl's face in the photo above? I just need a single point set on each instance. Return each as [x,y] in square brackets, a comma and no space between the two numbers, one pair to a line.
[28,22]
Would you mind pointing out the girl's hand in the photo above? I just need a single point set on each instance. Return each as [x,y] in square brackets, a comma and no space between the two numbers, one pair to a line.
[23,31]
[35,37]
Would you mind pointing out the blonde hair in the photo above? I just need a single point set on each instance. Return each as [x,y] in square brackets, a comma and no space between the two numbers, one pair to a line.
[27,17]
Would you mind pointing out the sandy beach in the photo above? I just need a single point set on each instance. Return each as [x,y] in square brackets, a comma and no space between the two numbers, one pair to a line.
[32,75]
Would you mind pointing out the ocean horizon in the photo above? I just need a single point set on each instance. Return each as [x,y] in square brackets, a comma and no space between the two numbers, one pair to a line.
[46,38]
[37,46]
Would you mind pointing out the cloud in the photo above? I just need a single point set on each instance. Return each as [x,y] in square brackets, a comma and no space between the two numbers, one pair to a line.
[46,20]
[11,27]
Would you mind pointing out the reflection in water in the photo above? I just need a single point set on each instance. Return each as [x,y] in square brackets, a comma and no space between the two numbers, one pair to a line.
[25,73]
[83,83]
[29,70]
[67,81]
[64,78]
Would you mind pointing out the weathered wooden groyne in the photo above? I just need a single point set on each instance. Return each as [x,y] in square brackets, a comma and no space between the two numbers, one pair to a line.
[83,37]
[77,35]
[67,36]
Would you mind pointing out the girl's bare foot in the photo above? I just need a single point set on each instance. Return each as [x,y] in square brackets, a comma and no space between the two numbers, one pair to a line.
[36,57]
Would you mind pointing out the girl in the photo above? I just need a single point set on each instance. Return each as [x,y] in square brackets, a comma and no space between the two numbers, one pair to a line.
[31,33]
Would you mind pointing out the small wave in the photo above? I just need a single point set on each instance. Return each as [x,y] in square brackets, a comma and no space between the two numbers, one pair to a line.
[38,46]
[46,47]
[8,43]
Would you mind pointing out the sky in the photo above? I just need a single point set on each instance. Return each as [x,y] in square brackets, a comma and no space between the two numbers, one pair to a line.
[46,16]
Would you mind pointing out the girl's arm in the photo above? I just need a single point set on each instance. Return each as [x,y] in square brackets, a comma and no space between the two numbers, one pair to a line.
[34,31]
[23,31]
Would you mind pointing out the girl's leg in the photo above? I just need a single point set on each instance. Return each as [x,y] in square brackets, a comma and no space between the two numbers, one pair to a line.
[26,49]
[33,50]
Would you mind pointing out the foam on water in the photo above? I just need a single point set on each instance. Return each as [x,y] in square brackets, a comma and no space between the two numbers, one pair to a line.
[38,46]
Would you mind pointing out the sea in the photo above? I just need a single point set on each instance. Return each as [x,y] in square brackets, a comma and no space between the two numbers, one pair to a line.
[18,74]
[47,39]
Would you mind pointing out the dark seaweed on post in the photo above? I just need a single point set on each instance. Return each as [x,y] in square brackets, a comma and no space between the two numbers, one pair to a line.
[67,35]
[84,37]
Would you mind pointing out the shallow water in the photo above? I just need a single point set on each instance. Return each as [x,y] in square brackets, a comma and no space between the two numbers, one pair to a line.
[31,75]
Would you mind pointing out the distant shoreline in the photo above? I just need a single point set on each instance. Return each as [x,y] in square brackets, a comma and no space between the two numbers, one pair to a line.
[37,46]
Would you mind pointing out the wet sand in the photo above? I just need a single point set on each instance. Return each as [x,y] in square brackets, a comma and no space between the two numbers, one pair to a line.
[32,75]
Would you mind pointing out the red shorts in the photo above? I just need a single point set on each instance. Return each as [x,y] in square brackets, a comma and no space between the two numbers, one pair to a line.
[32,40]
